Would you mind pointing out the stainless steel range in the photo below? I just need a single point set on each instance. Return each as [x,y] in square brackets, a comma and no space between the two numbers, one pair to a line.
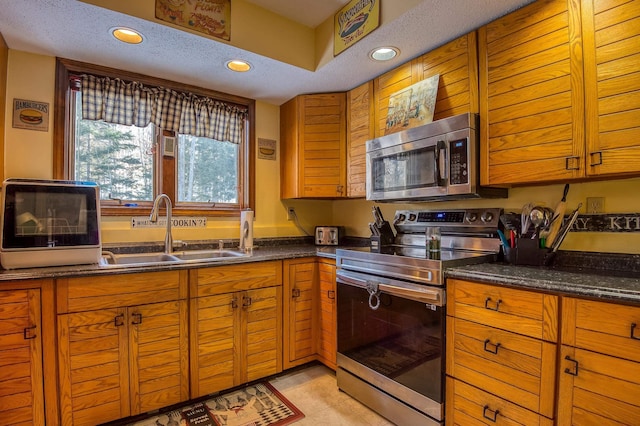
[391,311]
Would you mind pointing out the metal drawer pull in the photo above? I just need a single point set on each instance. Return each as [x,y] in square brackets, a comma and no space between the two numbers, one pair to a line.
[597,163]
[577,167]
[494,414]
[234,303]
[27,333]
[633,329]
[137,318]
[573,372]
[246,302]
[331,294]
[118,320]
[295,292]
[497,304]
[490,347]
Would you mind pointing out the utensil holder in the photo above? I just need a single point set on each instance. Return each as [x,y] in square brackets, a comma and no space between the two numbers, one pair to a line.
[528,252]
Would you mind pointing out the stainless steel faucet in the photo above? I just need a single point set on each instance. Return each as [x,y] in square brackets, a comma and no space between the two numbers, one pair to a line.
[153,217]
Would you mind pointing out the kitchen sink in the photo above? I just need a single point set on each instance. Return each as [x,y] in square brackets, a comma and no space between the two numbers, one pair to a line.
[109,258]
[132,259]
[208,254]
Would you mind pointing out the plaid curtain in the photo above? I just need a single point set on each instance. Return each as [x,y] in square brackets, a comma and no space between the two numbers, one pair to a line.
[131,103]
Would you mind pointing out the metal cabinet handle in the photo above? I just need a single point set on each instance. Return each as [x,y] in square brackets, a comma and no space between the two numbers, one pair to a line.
[234,303]
[497,304]
[633,334]
[137,318]
[494,414]
[490,347]
[27,333]
[118,320]
[567,370]
[295,292]
[597,163]
[246,302]
[567,159]
[331,294]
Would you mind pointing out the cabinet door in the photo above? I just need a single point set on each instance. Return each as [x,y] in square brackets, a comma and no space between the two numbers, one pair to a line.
[299,330]
[360,128]
[158,355]
[532,95]
[21,385]
[213,360]
[327,347]
[93,366]
[261,327]
[612,79]
[597,389]
[313,160]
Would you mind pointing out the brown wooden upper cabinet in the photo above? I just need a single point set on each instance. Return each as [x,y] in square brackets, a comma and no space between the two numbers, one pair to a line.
[313,146]
[360,128]
[558,87]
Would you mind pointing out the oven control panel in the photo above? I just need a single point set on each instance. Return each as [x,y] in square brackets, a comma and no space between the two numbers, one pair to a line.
[416,221]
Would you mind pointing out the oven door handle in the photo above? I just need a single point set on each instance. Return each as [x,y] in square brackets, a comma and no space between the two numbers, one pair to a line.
[419,293]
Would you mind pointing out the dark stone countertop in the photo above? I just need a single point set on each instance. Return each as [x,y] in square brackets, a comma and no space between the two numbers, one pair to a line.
[570,281]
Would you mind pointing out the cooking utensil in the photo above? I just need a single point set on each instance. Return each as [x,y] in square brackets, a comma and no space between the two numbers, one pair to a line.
[558,214]
[525,218]
[565,229]
[511,221]
[537,217]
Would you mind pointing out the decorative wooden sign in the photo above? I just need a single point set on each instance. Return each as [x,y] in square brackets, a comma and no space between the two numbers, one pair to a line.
[621,222]
[212,17]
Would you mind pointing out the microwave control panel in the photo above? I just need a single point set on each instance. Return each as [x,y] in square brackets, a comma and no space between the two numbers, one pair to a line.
[459,162]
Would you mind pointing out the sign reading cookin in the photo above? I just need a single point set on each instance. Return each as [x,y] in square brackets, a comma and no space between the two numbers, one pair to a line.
[353,22]
[138,222]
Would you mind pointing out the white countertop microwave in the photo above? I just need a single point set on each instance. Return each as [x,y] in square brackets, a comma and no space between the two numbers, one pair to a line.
[49,223]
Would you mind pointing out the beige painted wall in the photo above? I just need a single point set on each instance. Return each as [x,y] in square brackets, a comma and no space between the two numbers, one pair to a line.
[29,154]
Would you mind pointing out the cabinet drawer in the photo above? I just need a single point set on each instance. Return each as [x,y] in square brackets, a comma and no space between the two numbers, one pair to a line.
[602,327]
[520,311]
[468,405]
[113,291]
[597,389]
[515,367]
[227,279]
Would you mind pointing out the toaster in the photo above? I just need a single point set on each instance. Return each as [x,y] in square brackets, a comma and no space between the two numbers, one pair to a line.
[329,235]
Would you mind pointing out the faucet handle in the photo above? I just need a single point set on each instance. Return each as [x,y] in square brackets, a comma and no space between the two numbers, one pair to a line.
[220,244]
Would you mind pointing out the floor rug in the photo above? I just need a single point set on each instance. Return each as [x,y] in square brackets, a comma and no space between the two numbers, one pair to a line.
[256,405]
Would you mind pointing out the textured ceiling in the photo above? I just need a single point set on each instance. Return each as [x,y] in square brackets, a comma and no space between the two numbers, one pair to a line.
[80,31]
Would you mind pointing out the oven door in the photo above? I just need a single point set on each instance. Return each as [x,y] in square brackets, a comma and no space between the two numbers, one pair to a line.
[409,170]
[391,335]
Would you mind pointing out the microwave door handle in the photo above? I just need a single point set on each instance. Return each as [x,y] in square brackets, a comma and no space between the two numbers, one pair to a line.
[441,162]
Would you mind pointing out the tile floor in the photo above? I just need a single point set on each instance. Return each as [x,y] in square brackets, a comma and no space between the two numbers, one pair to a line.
[314,391]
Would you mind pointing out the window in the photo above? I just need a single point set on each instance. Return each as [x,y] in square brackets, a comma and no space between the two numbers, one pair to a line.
[134,163]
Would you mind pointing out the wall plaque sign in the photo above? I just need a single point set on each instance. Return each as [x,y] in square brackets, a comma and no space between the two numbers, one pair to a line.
[212,17]
[266,149]
[354,21]
[615,222]
[30,115]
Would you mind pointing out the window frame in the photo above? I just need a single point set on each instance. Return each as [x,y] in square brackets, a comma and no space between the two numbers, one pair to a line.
[165,183]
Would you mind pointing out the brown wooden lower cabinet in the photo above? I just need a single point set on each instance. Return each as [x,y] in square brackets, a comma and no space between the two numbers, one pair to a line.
[118,359]
[327,343]
[301,311]
[599,374]
[21,374]
[236,323]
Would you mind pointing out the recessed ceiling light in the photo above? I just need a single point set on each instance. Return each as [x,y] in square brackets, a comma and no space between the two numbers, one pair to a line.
[127,35]
[238,65]
[384,53]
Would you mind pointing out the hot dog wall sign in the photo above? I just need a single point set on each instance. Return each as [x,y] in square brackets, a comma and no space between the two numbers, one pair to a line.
[30,115]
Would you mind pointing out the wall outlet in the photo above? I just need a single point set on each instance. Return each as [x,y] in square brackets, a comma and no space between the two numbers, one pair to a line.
[595,205]
[291,213]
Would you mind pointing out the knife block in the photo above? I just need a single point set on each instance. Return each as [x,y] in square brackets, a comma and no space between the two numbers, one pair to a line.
[528,252]
[384,239]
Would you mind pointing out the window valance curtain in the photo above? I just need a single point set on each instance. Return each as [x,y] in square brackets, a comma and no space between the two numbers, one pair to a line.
[132,103]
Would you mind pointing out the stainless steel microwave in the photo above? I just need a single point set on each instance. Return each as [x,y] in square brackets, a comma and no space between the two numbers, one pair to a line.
[432,162]
[49,223]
